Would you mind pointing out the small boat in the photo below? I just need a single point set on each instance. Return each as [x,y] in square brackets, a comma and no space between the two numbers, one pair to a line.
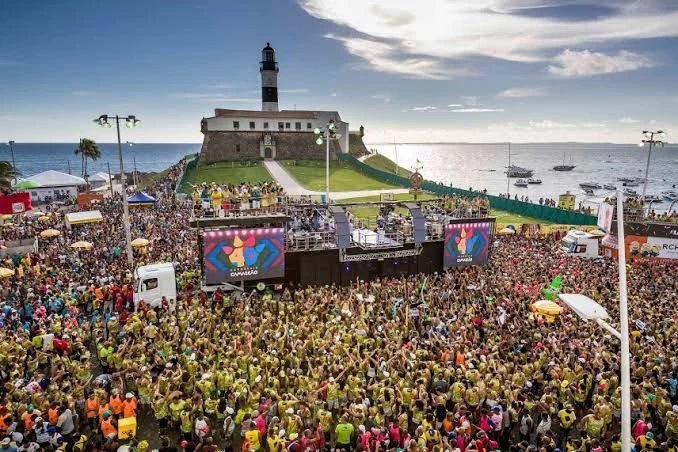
[588,191]
[534,181]
[517,171]
[629,192]
[592,185]
[631,184]
[520,183]
[670,195]
[653,198]
[626,179]
[609,187]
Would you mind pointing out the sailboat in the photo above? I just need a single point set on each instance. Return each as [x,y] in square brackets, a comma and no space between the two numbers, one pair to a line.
[564,167]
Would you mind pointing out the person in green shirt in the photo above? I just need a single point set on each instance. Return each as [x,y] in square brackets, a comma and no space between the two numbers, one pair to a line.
[344,432]
[567,418]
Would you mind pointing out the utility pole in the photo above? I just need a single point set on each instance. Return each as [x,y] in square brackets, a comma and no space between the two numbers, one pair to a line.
[110,179]
[69,166]
[11,149]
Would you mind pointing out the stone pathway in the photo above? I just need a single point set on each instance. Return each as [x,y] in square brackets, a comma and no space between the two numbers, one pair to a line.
[293,187]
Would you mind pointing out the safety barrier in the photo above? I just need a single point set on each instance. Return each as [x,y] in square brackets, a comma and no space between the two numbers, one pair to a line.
[553,214]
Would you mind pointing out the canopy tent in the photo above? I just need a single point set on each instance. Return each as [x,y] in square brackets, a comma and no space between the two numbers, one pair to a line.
[100,177]
[140,242]
[547,307]
[47,233]
[26,184]
[82,245]
[88,216]
[141,198]
[506,231]
[53,178]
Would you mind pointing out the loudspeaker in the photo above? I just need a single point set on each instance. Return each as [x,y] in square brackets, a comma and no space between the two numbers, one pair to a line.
[418,222]
[342,227]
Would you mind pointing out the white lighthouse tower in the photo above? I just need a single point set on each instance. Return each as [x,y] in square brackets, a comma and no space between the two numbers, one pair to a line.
[269,79]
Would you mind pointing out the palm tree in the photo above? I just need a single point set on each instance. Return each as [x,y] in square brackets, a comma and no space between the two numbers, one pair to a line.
[87,149]
[7,174]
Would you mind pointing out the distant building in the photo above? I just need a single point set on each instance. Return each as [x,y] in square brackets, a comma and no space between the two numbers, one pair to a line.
[270,133]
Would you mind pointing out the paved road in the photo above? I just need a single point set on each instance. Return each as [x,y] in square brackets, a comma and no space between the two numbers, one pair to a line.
[293,187]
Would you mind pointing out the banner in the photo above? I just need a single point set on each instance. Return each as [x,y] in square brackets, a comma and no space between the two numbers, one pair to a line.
[566,201]
[15,203]
[650,247]
[243,254]
[605,212]
[466,244]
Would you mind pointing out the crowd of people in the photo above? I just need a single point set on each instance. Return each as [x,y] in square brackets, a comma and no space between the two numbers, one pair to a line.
[219,199]
[446,362]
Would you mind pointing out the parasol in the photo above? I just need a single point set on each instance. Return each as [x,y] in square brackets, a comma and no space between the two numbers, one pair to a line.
[82,245]
[140,242]
[6,272]
[47,233]
[547,307]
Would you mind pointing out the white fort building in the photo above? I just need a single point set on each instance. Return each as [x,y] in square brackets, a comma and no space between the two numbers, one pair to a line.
[272,133]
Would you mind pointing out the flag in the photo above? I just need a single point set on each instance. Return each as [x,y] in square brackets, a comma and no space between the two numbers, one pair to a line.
[555,284]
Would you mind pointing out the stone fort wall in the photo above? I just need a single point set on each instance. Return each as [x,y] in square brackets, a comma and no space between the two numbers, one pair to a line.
[244,145]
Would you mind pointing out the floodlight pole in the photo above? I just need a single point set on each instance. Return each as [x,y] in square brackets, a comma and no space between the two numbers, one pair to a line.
[125,207]
[624,329]
[327,169]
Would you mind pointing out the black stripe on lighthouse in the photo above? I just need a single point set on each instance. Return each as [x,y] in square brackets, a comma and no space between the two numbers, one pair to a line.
[269,94]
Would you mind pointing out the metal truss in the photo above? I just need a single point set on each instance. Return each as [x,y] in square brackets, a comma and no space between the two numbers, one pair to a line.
[381,255]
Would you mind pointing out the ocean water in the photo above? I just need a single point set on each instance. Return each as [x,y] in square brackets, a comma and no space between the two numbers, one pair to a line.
[482,166]
[463,165]
[33,158]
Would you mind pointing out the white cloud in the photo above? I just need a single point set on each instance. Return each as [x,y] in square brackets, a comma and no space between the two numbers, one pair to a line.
[454,105]
[388,58]
[475,110]
[294,91]
[333,95]
[548,124]
[525,91]
[220,86]
[583,63]
[203,97]
[627,120]
[469,100]
[395,32]
[426,108]
[383,97]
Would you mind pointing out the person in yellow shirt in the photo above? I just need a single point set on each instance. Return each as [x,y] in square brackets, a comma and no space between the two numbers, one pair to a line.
[567,418]
[252,437]
[647,441]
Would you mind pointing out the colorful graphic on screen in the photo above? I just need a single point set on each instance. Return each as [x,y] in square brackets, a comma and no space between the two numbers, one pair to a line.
[244,254]
[466,244]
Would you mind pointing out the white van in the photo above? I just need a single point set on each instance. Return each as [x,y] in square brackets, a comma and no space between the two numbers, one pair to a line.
[152,282]
[580,243]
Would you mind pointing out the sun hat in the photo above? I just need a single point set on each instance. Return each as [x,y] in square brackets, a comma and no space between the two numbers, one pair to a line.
[129,395]
[294,436]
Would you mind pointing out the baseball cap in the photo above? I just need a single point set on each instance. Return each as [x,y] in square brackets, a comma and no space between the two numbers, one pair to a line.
[6,441]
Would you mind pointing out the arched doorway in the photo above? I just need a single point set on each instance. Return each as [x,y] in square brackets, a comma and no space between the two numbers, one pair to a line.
[268,153]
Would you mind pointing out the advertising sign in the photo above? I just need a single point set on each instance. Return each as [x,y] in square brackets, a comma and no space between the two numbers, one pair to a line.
[467,244]
[243,254]
[566,201]
[651,247]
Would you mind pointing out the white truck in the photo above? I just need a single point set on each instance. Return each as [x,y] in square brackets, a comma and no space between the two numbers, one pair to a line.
[580,243]
[152,282]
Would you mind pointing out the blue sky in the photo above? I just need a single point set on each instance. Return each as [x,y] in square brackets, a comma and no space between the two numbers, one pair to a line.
[433,70]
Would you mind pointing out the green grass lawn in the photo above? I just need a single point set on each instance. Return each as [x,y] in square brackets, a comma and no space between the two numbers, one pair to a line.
[311,175]
[228,173]
[384,163]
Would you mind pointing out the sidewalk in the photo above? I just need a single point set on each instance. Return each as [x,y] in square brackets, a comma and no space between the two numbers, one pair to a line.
[293,187]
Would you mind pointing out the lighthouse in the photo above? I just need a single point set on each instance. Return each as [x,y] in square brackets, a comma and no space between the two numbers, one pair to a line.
[269,79]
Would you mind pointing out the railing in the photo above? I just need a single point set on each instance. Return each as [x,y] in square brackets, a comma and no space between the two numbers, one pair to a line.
[308,241]
[527,209]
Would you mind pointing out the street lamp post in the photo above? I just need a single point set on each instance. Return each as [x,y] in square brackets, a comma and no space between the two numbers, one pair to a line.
[327,133]
[649,139]
[588,309]
[134,157]
[130,121]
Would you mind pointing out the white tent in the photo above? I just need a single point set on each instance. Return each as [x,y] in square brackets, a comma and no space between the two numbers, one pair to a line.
[89,216]
[53,178]
[100,177]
